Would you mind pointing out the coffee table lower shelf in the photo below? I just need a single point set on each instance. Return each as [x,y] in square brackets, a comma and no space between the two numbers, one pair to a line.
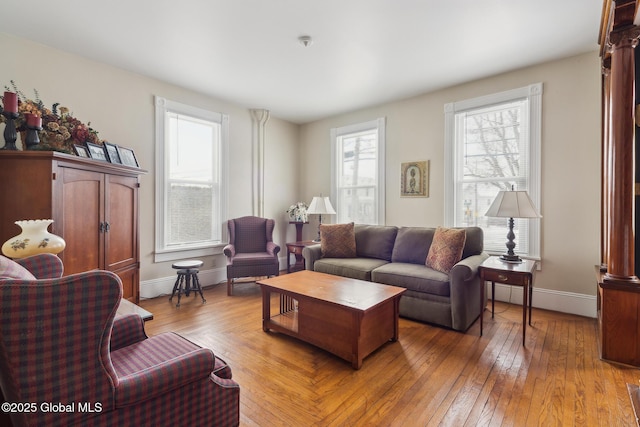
[351,333]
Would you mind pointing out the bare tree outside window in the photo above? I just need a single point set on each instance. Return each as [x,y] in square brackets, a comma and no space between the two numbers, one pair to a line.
[494,159]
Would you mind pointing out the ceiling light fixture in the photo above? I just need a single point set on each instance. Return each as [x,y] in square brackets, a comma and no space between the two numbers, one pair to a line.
[305,41]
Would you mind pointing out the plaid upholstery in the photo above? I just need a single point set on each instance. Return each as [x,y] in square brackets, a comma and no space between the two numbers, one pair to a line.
[55,337]
[127,329]
[43,266]
[251,250]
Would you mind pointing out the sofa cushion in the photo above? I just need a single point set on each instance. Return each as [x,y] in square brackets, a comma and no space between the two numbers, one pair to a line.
[412,245]
[355,268]
[10,269]
[474,244]
[414,277]
[338,240]
[446,248]
[375,241]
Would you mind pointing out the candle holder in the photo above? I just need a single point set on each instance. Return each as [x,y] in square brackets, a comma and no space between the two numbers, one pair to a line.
[33,138]
[10,134]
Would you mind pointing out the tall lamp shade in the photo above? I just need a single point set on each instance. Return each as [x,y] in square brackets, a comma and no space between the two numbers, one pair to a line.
[512,204]
[320,206]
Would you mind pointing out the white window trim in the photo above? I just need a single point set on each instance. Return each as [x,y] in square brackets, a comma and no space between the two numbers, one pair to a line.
[534,93]
[378,124]
[162,106]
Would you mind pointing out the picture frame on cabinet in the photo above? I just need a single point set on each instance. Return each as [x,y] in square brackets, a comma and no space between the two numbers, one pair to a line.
[96,151]
[81,150]
[112,153]
[128,157]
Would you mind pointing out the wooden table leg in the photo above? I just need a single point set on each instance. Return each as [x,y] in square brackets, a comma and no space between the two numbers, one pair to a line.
[483,285]
[493,299]
[266,308]
[530,301]
[525,295]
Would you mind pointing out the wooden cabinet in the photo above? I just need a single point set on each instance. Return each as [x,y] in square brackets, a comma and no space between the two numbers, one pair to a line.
[94,206]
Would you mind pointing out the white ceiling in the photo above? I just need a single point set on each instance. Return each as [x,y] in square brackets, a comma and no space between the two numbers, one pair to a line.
[364,52]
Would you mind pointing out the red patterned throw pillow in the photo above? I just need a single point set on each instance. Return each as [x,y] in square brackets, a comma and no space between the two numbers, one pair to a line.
[446,249]
[338,240]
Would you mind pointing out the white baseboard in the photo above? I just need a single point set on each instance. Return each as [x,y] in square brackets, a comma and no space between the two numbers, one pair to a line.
[164,285]
[564,302]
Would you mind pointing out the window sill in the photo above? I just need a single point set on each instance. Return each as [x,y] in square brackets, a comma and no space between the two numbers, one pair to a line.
[174,255]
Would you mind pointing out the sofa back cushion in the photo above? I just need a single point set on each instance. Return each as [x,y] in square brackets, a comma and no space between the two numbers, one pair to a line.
[413,243]
[474,245]
[375,241]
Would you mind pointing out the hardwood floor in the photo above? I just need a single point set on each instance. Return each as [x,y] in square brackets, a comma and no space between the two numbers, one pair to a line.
[431,376]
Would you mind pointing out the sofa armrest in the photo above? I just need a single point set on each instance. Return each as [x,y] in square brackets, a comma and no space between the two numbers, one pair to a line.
[43,266]
[127,329]
[169,375]
[465,291]
[311,254]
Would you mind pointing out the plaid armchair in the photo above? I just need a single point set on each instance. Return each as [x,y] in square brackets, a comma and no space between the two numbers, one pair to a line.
[251,250]
[66,360]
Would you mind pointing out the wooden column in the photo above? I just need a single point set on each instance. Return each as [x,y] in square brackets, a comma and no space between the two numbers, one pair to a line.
[621,180]
[606,167]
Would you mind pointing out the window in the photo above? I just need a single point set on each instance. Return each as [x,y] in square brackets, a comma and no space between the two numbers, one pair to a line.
[493,144]
[358,172]
[191,185]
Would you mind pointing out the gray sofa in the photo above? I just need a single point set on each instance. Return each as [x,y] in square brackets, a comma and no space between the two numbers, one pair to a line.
[396,256]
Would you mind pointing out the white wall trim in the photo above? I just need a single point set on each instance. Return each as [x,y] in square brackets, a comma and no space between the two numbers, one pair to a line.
[547,299]
[259,117]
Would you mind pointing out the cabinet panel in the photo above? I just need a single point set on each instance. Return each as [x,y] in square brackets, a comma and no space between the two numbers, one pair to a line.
[121,216]
[130,278]
[81,194]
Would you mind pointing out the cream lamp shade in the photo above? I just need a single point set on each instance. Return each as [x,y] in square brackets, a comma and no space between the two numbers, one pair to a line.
[512,204]
[320,206]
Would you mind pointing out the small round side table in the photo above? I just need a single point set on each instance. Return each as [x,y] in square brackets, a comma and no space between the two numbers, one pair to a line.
[187,279]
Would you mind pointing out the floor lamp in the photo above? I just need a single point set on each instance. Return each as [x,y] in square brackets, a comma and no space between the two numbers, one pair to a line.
[320,206]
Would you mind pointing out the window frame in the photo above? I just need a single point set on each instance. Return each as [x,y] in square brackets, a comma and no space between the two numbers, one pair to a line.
[162,251]
[380,190]
[533,94]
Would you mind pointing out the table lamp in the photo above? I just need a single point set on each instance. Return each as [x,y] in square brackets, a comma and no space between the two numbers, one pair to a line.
[319,206]
[512,204]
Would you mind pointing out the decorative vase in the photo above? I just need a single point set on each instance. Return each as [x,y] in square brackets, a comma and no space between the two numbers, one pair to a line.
[34,239]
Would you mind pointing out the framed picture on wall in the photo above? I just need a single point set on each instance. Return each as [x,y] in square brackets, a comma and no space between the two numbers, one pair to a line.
[96,151]
[414,179]
[112,152]
[128,157]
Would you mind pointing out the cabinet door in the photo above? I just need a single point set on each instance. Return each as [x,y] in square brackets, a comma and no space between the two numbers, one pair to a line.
[121,220]
[81,208]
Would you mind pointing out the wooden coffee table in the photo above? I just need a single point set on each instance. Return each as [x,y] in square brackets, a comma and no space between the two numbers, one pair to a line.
[347,317]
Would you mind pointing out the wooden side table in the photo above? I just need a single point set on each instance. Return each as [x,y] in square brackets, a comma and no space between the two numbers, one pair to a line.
[296,248]
[516,274]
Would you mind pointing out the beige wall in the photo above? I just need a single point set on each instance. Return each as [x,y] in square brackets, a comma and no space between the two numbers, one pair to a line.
[570,161]
[120,105]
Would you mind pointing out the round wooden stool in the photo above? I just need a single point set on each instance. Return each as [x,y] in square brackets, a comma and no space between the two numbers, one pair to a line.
[187,280]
